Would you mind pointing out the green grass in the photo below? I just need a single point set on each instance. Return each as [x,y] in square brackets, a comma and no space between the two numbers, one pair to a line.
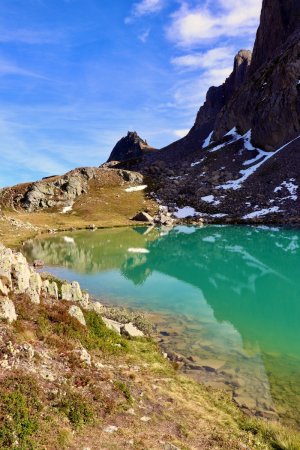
[76,409]
[19,412]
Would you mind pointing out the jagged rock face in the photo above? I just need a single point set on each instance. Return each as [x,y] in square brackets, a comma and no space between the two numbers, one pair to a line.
[57,191]
[269,103]
[216,99]
[129,147]
[279,20]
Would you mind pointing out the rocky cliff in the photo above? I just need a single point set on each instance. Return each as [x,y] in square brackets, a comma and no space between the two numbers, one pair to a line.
[129,147]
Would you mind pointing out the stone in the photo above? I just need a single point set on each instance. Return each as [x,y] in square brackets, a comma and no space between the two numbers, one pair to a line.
[38,263]
[76,312]
[49,288]
[84,356]
[131,330]
[20,273]
[7,310]
[72,292]
[96,307]
[34,288]
[145,419]
[27,351]
[143,217]
[4,285]
[111,429]
[112,325]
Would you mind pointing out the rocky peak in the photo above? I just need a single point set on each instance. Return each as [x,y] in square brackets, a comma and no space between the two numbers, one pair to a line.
[129,147]
[279,20]
[217,97]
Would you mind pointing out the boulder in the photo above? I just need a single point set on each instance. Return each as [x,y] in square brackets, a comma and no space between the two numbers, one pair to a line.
[76,312]
[112,325]
[7,310]
[143,217]
[20,273]
[38,263]
[49,288]
[72,293]
[34,288]
[131,330]
[84,356]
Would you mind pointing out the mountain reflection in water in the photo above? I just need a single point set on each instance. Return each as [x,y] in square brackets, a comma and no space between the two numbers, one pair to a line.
[236,290]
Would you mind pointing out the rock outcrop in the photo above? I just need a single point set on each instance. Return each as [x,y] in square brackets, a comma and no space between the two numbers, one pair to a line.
[130,147]
[216,99]
[57,191]
[17,278]
[279,20]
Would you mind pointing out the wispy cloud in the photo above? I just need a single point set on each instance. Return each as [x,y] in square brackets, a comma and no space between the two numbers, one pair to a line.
[215,57]
[31,37]
[8,67]
[145,7]
[143,37]
[222,18]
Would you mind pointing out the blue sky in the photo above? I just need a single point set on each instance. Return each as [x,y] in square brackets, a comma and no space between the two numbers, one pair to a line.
[76,75]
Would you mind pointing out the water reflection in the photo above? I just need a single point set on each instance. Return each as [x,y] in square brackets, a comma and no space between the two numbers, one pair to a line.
[232,293]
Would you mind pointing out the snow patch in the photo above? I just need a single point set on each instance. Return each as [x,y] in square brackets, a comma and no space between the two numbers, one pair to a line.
[262,212]
[69,240]
[208,140]
[291,187]
[237,184]
[67,209]
[211,199]
[138,250]
[136,188]
[186,211]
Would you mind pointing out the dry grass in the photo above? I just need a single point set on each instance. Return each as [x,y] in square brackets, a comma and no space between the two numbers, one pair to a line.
[106,204]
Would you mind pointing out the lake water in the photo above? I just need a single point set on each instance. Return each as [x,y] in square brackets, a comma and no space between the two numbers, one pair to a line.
[226,297]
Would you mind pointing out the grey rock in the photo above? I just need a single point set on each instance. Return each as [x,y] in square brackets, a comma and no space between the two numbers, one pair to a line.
[76,312]
[7,310]
[131,330]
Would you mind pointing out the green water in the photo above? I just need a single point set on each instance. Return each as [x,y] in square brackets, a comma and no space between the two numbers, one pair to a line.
[229,297]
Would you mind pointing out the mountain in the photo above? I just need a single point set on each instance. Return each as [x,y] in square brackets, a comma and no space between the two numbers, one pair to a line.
[240,162]
[241,159]
[129,147]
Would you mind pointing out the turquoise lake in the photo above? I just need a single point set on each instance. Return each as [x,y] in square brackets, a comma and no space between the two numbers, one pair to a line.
[226,297]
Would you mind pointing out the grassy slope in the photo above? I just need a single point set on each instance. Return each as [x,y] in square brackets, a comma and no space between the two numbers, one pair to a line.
[133,381]
[105,205]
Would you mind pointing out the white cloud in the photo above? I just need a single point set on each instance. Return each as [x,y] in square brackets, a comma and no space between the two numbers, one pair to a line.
[227,18]
[190,93]
[181,133]
[145,7]
[219,56]
[143,37]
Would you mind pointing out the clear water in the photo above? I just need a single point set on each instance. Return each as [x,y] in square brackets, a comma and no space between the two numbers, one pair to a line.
[227,296]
